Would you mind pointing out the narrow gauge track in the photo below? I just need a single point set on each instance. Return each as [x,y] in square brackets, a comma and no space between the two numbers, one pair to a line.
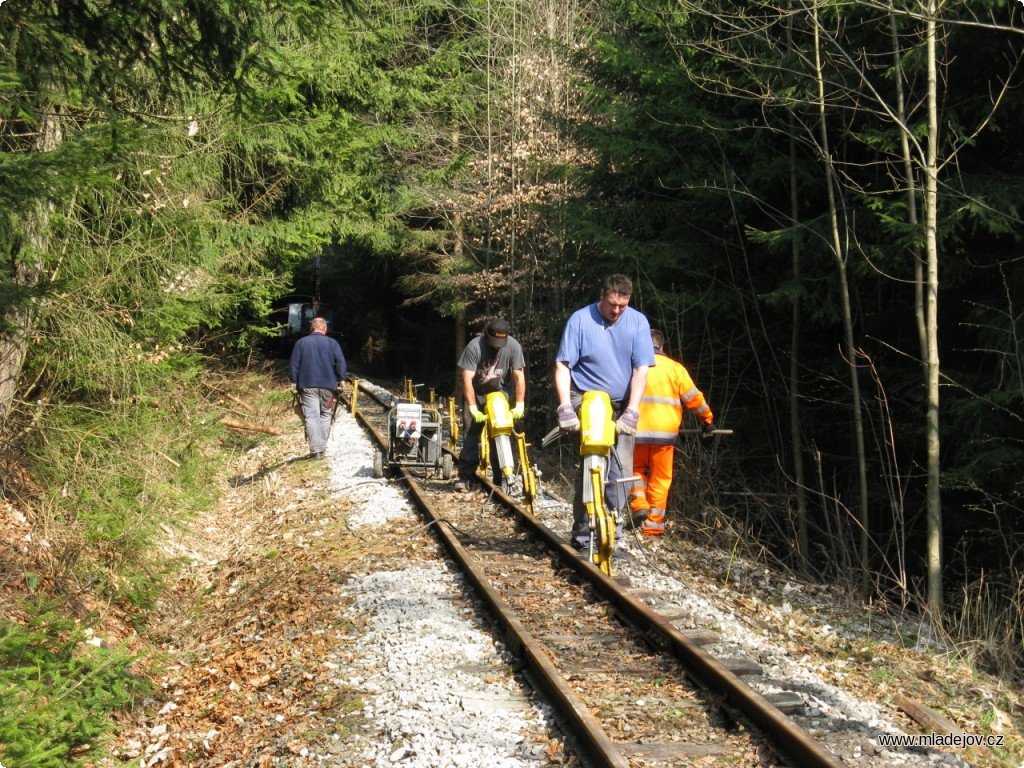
[631,688]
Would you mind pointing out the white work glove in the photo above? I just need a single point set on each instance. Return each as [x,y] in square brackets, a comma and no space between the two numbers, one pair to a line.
[568,421]
[518,411]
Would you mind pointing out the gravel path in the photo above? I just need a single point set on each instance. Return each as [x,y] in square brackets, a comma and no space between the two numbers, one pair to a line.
[439,689]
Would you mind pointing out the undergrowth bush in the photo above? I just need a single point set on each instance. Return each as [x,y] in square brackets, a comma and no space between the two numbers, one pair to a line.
[113,478]
[57,690]
[117,476]
[988,624]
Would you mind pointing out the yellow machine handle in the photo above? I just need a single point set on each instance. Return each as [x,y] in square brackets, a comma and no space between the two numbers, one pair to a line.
[528,472]
[499,415]
[453,425]
[597,427]
[355,396]
[485,450]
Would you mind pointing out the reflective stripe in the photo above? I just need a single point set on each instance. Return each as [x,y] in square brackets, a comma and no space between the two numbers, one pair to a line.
[655,437]
[652,529]
[663,400]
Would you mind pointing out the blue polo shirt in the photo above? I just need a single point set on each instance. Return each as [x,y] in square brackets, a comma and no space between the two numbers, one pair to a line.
[602,355]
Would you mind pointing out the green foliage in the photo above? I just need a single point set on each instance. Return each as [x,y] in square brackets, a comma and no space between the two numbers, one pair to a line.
[200,156]
[57,690]
[656,149]
[118,473]
[418,71]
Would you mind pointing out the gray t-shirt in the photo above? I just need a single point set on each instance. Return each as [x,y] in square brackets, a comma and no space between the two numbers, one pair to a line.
[491,366]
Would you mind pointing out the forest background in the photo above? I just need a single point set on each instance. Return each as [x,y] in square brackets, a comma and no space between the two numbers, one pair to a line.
[818,203]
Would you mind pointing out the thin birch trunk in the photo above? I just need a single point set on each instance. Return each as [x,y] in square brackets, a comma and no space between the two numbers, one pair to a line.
[796,436]
[934,497]
[847,314]
[912,202]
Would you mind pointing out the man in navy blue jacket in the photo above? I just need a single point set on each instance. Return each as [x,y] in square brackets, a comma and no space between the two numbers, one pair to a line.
[316,368]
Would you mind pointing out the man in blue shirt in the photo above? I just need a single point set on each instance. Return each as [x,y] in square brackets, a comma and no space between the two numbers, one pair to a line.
[316,368]
[605,346]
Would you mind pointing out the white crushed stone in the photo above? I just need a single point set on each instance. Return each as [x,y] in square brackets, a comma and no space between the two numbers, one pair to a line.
[432,705]
[437,686]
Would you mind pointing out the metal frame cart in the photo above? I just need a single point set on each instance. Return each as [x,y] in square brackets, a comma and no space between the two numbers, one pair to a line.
[416,439]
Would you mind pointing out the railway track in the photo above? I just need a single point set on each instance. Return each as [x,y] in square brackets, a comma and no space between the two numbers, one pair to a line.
[631,687]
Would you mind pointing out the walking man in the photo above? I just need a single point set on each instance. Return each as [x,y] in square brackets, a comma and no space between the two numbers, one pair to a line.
[605,346]
[669,389]
[317,368]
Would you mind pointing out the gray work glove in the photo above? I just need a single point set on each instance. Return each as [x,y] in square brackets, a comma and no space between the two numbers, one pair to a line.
[627,421]
[568,421]
[707,431]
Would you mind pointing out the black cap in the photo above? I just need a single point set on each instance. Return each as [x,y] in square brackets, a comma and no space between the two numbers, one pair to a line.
[497,333]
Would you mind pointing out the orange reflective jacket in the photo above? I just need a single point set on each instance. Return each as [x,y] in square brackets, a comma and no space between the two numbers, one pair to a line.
[669,388]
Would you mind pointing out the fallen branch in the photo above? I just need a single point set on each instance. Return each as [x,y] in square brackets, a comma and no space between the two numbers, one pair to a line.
[167,458]
[249,426]
[926,716]
[242,403]
[934,721]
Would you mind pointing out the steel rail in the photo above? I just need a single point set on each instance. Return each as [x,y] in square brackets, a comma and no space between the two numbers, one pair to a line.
[585,728]
[791,740]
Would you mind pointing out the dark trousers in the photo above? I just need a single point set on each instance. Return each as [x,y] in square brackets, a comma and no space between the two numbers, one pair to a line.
[469,456]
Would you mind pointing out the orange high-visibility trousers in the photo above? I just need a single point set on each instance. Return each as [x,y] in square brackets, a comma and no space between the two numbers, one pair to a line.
[653,463]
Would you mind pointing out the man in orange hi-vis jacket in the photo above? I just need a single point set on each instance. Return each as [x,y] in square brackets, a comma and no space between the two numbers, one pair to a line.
[669,390]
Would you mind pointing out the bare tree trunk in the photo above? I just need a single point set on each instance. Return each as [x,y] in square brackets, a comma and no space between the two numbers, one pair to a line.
[934,498]
[13,325]
[16,320]
[796,437]
[909,173]
[847,314]
[460,316]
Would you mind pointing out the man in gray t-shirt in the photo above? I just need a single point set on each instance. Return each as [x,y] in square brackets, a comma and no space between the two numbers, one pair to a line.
[484,366]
